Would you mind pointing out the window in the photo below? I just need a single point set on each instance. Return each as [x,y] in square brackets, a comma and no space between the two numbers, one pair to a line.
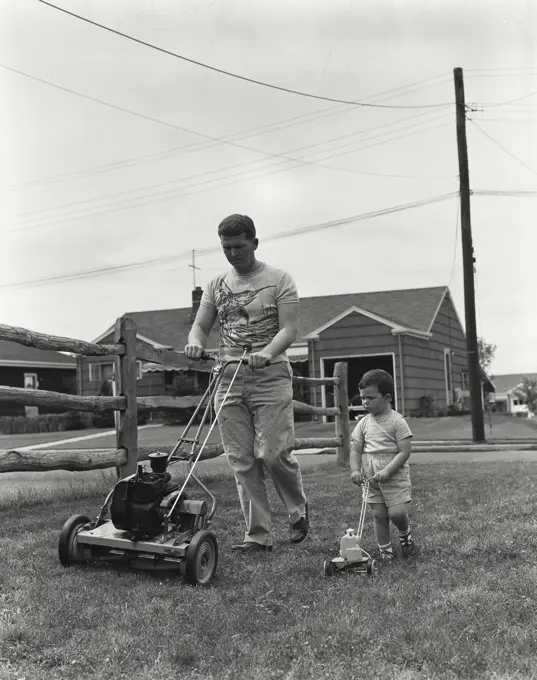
[105,372]
[465,383]
[30,381]
[448,373]
[101,372]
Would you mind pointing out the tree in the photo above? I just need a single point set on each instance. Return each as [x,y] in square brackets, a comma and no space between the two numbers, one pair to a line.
[528,393]
[486,354]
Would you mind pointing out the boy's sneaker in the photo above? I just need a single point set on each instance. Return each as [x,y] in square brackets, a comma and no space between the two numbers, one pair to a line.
[408,548]
[386,558]
[299,530]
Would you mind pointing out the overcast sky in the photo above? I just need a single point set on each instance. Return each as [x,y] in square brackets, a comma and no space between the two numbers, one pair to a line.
[86,186]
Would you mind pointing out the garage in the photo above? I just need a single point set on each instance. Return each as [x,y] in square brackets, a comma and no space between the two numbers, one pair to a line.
[357,366]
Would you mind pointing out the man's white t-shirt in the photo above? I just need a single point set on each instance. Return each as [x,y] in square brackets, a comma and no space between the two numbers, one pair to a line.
[247,307]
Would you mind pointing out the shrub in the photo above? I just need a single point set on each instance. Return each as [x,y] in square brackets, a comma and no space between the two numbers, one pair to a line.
[426,407]
[47,422]
[107,420]
[181,416]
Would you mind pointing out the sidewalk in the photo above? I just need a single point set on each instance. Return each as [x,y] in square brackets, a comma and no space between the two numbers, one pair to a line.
[430,434]
[449,447]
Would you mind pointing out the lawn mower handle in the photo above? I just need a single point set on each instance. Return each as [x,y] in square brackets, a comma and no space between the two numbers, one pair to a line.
[211,357]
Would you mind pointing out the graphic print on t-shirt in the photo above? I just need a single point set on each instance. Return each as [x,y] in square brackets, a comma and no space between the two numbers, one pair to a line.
[238,327]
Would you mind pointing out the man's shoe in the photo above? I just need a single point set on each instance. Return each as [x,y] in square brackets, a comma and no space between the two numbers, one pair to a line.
[251,547]
[299,530]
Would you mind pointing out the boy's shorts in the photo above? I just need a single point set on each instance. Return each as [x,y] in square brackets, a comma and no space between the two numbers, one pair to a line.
[396,490]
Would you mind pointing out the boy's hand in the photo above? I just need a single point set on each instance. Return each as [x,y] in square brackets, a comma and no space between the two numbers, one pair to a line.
[357,477]
[382,476]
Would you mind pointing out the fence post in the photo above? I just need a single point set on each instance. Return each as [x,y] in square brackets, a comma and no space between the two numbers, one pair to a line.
[341,401]
[127,422]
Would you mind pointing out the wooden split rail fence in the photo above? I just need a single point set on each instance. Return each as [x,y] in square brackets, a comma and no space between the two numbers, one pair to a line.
[127,350]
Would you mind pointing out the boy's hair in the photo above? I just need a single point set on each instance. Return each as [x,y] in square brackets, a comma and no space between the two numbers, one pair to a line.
[378,378]
[237,225]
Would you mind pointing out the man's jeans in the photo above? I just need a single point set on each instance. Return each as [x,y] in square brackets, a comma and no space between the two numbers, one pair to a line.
[257,429]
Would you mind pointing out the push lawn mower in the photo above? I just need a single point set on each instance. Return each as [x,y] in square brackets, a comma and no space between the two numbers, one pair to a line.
[152,523]
[352,556]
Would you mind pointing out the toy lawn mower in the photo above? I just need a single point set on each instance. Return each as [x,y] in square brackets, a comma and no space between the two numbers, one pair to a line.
[152,523]
[352,556]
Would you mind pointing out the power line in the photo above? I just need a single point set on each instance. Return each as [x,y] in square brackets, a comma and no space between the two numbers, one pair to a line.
[237,76]
[364,216]
[497,192]
[265,129]
[488,119]
[283,156]
[164,196]
[510,69]
[510,101]
[218,140]
[503,148]
[532,72]
[88,273]
[205,251]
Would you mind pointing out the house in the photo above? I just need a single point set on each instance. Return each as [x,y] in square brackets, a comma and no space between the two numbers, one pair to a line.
[506,398]
[28,367]
[415,334]
[161,329]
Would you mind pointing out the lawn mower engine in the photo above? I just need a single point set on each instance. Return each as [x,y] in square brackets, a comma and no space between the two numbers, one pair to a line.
[140,502]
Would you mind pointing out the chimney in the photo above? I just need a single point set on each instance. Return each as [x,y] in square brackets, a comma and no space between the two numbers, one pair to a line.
[196,299]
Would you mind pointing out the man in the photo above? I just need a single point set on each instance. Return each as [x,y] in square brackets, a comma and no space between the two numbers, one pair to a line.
[256,306]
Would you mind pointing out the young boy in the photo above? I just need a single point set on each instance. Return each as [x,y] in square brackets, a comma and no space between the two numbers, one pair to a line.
[380,449]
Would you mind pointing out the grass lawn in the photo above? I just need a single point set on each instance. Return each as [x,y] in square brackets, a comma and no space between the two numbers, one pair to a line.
[464,609]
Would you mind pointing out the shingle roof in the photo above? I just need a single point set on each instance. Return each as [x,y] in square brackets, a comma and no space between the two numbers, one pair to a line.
[168,327]
[13,352]
[507,382]
[413,308]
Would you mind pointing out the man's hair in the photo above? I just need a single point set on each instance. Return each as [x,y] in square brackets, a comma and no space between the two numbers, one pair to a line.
[237,225]
[378,378]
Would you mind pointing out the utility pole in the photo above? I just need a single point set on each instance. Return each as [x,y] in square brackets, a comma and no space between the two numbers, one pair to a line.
[193,265]
[474,373]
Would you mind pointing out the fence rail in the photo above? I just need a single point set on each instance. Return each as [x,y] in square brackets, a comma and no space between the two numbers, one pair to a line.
[127,453]
[80,460]
[74,402]
[61,459]
[301,380]
[55,342]
[157,355]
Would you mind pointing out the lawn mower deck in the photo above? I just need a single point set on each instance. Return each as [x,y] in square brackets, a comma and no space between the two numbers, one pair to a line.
[186,547]
[365,565]
[147,520]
